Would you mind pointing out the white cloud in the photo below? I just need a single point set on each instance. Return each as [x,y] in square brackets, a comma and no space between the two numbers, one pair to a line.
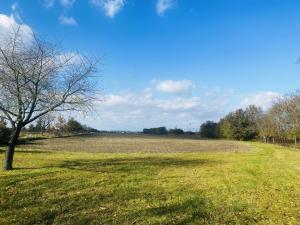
[163,5]
[110,7]
[65,20]
[262,99]
[174,86]
[8,24]
[66,3]
[135,111]
[49,3]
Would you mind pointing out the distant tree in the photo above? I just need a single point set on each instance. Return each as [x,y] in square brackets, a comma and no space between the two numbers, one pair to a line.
[281,123]
[189,133]
[37,78]
[267,127]
[241,124]
[90,129]
[224,127]
[31,128]
[156,131]
[209,129]
[60,124]
[44,122]
[73,126]
[253,115]
[176,131]
[161,130]
[286,114]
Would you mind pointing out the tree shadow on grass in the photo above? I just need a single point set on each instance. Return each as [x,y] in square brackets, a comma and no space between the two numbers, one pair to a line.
[113,165]
[35,140]
[28,151]
[30,140]
[186,208]
[192,210]
[197,210]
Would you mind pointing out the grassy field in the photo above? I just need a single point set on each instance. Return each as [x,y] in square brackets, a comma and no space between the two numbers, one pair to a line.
[130,143]
[143,180]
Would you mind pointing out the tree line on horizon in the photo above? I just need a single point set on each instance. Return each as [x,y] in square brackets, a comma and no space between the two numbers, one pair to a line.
[279,124]
[59,126]
[163,131]
[48,124]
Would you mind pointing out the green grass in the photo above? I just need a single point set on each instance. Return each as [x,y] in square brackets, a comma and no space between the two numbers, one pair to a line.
[260,186]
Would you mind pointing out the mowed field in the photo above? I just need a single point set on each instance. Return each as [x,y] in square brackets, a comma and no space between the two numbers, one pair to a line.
[113,179]
[131,143]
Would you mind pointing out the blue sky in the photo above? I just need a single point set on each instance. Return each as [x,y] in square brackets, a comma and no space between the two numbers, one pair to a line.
[174,62]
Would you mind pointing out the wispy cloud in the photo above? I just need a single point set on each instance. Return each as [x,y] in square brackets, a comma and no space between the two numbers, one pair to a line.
[174,86]
[110,7]
[16,12]
[262,99]
[67,3]
[14,6]
[163,5]
[137,110]
[48,3]
[64,3]
[67,20]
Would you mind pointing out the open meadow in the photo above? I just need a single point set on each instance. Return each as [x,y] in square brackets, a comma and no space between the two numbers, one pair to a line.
[115,179]
[159,112]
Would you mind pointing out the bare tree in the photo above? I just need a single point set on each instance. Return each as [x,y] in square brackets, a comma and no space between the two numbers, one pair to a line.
[286,114]
[60,124]
[44,122]
[37,78]
[268,127]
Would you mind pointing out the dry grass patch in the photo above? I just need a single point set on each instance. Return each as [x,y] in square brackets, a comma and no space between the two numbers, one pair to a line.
[135,143]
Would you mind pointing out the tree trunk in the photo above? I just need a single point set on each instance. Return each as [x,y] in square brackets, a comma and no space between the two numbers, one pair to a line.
[295,139]
[265,139]
[273,139]
[9,155]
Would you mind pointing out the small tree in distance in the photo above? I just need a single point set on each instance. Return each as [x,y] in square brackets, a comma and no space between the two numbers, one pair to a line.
[60,124]
[176,131]
[209,129]
[73,126]
[37,78]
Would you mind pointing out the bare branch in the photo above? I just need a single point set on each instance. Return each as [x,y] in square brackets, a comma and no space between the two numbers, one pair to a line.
[37,78]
